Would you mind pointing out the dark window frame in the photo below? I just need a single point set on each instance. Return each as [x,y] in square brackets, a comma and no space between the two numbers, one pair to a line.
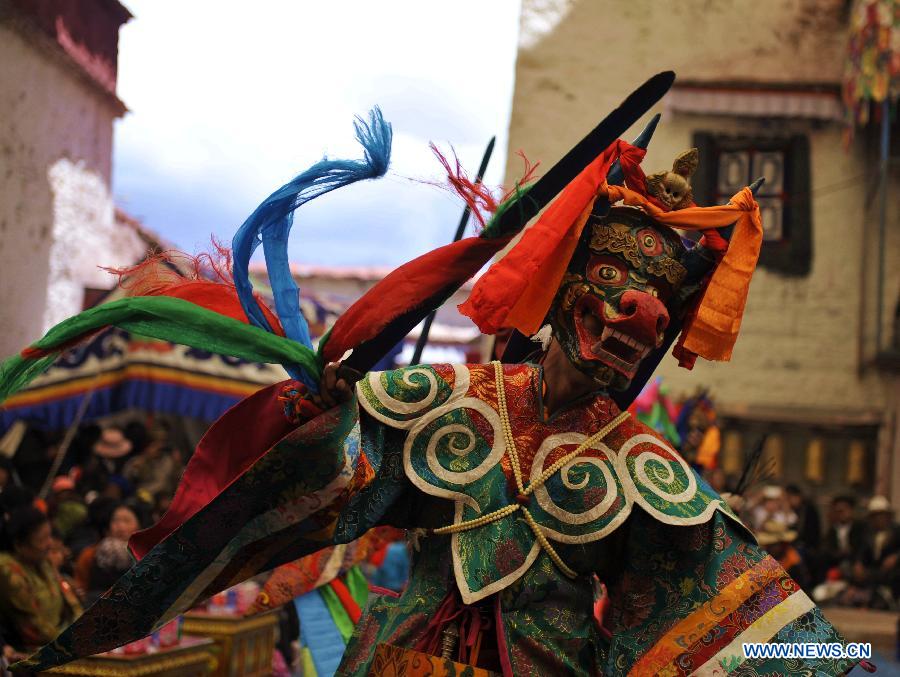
[792,255]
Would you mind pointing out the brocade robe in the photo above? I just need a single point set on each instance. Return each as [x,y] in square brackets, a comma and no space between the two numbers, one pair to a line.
[423,447]
[686,581]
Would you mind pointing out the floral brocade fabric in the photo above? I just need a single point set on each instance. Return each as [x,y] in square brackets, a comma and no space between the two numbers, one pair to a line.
[394,660]
[683,601]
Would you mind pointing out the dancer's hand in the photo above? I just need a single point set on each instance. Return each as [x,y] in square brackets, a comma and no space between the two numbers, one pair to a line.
[735,501]
[335,387]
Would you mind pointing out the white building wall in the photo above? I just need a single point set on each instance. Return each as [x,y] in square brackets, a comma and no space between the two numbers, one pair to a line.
[799,341]
[806,347]
[56,217]
[85,236]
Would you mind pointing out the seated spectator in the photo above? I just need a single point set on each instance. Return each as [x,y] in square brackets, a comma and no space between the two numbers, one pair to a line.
[61,558]
[778,540]
[93,528]
[108,457]
[808,525]
[844,537]
[155,470]
[809,531]
[877,567]
[110,557]
[771,506]
[33,607]
[85,542]
[66,508]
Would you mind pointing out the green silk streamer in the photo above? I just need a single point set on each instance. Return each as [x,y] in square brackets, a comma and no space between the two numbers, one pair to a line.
[165,318]
[338,613]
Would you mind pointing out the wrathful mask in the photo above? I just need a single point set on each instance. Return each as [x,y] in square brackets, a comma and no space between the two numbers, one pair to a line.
[622,286]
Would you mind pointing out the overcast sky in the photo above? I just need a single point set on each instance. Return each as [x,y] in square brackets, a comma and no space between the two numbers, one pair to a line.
[229,100]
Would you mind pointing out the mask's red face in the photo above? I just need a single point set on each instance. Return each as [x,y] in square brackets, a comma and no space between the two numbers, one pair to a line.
[613,306]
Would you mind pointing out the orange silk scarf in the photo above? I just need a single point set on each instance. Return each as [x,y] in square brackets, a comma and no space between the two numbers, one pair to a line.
[517,291]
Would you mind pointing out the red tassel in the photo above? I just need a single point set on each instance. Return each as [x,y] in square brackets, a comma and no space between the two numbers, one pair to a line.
[298,408]
[478,196]
[204,279]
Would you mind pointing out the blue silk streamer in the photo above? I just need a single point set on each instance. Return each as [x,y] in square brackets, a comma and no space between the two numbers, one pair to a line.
[270,225]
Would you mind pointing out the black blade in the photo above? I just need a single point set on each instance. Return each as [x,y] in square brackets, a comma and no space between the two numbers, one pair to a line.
[639,102]
[585,151]
[750,466]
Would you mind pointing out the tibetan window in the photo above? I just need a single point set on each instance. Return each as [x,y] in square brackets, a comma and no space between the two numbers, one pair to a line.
[727,164]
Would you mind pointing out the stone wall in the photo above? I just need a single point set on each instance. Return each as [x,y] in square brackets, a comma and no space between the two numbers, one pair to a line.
[56,216]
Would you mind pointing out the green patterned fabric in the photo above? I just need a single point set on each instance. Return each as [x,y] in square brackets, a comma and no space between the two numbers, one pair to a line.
[455,449]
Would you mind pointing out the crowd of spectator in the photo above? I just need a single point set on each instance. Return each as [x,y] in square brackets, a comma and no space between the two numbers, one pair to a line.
[852,559]
[64,544]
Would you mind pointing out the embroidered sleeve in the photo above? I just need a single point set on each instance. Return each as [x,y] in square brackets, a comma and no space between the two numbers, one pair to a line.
[401,397]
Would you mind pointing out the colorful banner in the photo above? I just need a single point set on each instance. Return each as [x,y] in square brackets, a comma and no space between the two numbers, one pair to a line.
[122,371]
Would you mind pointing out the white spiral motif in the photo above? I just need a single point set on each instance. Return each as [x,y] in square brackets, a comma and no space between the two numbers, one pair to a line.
[542,496]
[399,406]
[385,407]
[459,479]
[665,474]
[454,429]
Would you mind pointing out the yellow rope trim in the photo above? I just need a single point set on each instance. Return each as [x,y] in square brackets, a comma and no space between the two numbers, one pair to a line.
[587,444]
[507,426]
[517,473]
[545,544]
[478,521]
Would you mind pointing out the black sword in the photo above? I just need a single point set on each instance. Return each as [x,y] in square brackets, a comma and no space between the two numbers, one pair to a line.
[639,102]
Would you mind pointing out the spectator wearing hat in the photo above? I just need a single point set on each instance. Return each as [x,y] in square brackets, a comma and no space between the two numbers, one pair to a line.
[878,565]
[778,540]
[771,506]
[108,457]
[33,606]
